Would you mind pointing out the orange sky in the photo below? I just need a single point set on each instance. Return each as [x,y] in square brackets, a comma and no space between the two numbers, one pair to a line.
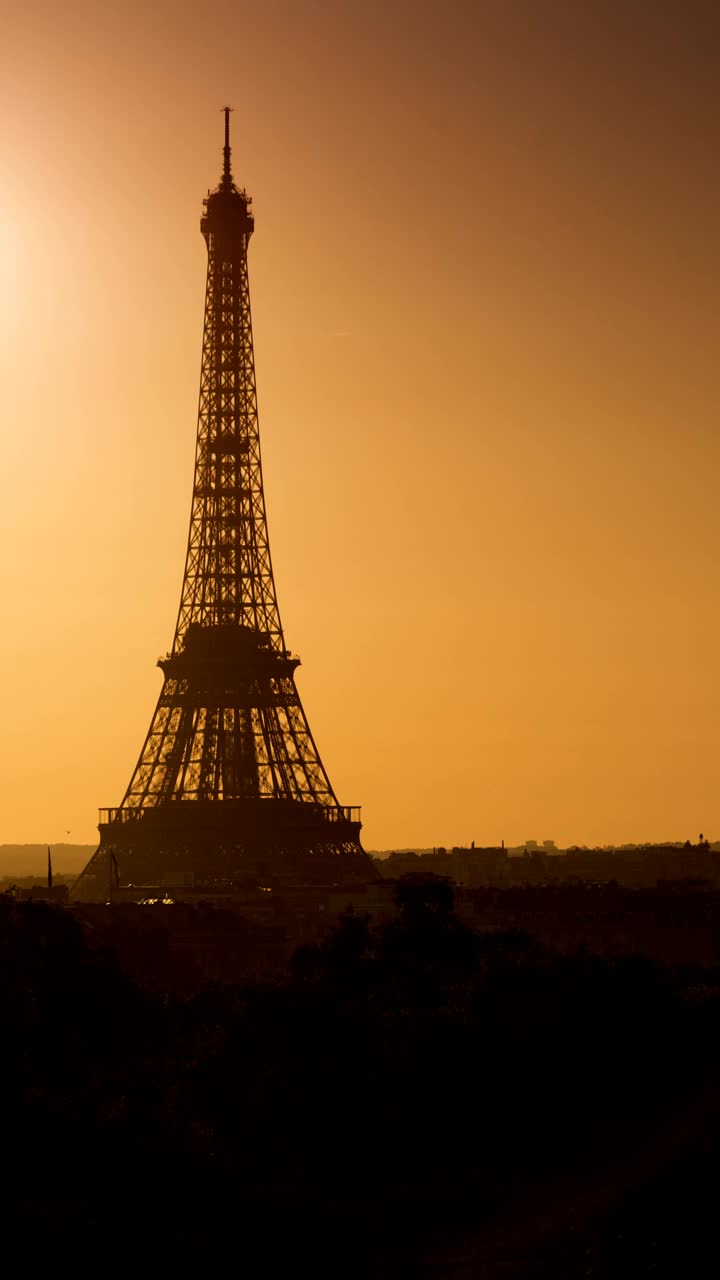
[485,278]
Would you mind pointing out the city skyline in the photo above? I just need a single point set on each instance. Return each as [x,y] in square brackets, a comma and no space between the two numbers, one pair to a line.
[484,342]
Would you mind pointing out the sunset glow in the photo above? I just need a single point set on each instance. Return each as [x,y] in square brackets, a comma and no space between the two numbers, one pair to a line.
[484,280]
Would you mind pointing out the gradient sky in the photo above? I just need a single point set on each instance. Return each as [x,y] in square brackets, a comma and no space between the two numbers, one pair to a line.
[485,292]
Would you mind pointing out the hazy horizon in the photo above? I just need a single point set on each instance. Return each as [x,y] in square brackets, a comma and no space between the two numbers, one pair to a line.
[30,858]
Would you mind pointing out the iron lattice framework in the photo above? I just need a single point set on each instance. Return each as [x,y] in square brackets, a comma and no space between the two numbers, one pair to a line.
[229,783]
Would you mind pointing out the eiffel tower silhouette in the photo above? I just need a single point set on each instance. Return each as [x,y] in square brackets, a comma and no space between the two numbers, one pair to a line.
[229,789]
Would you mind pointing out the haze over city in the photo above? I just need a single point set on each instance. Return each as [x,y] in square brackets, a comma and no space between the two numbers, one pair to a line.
[484,281]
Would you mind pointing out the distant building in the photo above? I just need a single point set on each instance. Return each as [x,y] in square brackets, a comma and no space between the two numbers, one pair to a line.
[58,894]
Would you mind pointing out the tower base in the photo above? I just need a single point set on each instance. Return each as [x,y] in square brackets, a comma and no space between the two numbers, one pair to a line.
[225,846]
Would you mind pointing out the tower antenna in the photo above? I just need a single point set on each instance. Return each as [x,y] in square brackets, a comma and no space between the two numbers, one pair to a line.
[227,176]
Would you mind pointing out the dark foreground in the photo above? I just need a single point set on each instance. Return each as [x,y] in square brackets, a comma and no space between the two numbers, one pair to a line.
[419,1099]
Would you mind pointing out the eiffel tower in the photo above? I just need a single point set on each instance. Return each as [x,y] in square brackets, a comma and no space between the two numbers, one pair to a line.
[229,789]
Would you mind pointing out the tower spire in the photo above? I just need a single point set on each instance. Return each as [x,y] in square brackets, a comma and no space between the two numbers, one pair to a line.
[227,175]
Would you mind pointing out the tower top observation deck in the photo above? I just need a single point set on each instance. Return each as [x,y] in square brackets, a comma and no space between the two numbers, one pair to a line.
[227,208]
